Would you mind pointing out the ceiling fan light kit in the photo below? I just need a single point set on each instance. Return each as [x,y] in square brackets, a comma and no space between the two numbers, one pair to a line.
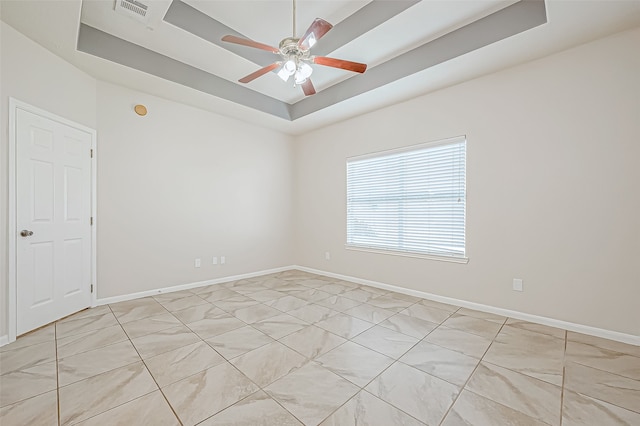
[296,58]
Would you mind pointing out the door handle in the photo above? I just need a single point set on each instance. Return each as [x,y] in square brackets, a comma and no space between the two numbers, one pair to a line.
[26,233]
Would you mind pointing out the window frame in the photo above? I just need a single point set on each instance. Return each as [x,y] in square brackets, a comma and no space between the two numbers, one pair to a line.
[431,256]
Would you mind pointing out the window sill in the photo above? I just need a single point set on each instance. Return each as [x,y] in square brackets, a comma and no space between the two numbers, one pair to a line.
[450,259]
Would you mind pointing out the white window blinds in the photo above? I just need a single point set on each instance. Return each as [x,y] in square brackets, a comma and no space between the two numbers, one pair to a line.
[409,201]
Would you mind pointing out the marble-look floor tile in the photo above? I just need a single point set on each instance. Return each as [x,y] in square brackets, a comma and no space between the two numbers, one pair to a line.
[534,354]
[41,335]
[239,341]
[580,410]
[411,326]
[403,296]
[207,289]
[218,294]
[472,409]
[92,396]
[172,295]
[90,340]
[344,325]
[421,395]
[164,341]
[369,313]
[287,303]
[385,341]
[210,327]
[359,295]
[338,303]
[280,325]
[533,397]
[132,310]
[312,341]
[41,410]
[335,288]
[608,387]
[426,313]
[479,327]
[390,303]
[24,384]
[290,287]
[249,288]
[151,409]
[26,357]
[460,341]
[204,394]
[169,367]
[604,359]
[184,303]
[78,326]
[198,312]
[446,364]
[256,409]
[256,313]
[268,363]
[355,363]
[144,326]
[538,328]
[88,364]
[487,316]
[235,303]
[266,295]
[439,305]
[86,313]
[316,282]
[311,295]
[374,290]
[366,409]
[611,345]
[312,313]
[312,393]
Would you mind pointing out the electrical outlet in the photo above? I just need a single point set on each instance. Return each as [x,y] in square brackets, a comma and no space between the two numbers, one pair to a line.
[196,263]
[222,260]
[327,255]
[517,284]
[215,260]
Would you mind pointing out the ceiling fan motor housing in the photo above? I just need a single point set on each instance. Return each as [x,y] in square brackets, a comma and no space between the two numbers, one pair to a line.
[289,48]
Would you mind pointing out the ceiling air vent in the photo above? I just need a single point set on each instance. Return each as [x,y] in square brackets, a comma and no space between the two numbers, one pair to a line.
[133,9]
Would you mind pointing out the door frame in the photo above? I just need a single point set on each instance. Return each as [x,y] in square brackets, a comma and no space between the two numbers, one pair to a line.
[12,240]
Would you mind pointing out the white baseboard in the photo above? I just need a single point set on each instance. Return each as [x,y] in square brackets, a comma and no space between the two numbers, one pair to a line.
[125,297]
[570,326]
[4,340]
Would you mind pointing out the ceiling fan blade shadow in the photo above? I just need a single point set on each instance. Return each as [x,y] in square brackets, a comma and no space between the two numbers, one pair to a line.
[340,63]
[261,71]
[249,43]
[307,88]
[318,28]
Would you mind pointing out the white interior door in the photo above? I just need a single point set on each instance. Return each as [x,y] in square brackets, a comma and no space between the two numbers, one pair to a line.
[53,212]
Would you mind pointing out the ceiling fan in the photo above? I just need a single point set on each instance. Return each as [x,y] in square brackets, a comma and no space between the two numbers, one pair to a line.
[296,56]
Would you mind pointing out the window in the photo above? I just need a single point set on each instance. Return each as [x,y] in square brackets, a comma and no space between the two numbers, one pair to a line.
[409,201]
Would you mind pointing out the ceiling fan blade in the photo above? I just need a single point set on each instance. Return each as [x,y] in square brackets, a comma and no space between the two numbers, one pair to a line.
[318,28]
[261,71]
[307,88]
[249,43]
[339,63]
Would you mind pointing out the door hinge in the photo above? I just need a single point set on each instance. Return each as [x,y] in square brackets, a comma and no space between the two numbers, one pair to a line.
[91,221]
[91,288]
[91,153]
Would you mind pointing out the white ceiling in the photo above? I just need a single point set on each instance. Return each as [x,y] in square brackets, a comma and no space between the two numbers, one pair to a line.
[55,25]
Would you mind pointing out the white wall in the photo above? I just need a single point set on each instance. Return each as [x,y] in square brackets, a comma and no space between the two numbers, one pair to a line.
[552,178]
[34,75]
[182,183]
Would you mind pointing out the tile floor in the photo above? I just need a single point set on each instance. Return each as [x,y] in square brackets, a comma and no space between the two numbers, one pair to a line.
[294,348]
